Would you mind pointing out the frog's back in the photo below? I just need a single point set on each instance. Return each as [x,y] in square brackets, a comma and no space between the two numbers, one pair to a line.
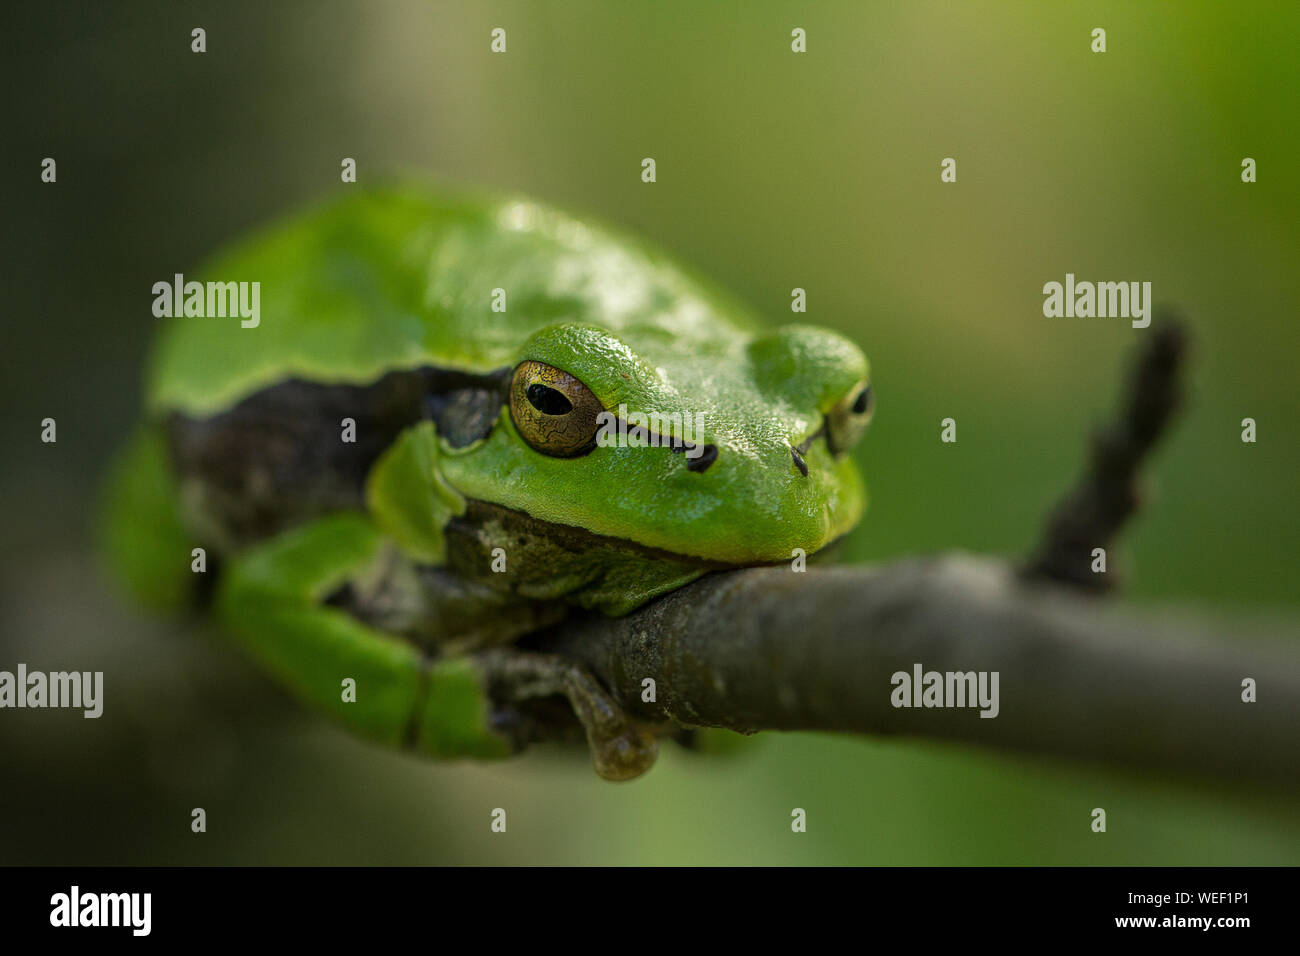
[398,279]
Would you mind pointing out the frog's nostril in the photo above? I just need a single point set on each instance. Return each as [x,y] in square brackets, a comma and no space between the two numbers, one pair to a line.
[798,461]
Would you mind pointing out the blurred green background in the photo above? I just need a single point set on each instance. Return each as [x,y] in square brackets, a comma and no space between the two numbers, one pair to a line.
[775,170]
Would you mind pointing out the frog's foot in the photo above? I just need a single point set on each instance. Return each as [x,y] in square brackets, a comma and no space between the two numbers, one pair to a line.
[621,748]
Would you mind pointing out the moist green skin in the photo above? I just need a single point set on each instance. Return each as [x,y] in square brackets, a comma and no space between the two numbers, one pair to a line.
[403,279]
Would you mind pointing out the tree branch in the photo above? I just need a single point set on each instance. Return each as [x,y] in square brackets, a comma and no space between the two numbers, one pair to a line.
[768,649]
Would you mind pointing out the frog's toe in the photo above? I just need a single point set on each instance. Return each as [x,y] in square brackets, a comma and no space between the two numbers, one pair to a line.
[621,748]
[623,756]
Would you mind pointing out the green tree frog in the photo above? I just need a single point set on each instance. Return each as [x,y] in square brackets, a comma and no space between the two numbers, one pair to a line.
[396,475]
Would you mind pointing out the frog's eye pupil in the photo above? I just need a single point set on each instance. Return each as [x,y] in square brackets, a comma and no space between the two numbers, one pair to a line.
[554,413]
[863,401]
[547,400]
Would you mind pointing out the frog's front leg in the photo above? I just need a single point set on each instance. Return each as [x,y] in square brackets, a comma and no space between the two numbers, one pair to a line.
[621,748]
[273,598]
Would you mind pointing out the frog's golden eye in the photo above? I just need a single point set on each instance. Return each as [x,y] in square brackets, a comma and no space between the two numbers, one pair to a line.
[553,411]
[846,422]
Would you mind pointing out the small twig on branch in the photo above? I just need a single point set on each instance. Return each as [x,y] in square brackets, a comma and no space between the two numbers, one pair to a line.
[1107,496]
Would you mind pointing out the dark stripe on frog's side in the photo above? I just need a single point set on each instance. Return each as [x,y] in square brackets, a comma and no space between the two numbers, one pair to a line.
[277,458]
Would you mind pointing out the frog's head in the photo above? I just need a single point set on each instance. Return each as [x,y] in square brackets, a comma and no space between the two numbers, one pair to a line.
[744,439]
